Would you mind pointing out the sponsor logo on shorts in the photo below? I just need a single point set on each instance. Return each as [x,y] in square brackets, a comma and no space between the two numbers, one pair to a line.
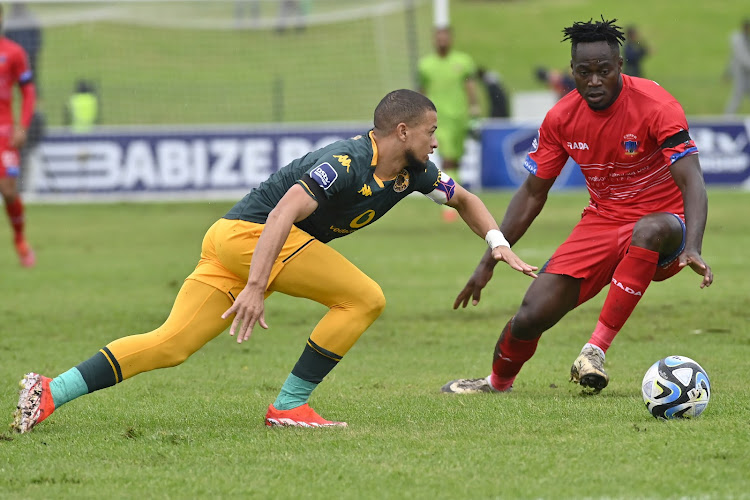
[324,174]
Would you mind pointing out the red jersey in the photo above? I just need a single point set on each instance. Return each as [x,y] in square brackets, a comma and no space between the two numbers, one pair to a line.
[618,149]
[14,69]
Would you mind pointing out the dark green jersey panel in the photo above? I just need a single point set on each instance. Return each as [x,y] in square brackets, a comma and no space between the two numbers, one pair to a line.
[340,178]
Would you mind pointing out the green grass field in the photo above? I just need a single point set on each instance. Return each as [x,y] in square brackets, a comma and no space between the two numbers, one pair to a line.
[338,72]
[196,431]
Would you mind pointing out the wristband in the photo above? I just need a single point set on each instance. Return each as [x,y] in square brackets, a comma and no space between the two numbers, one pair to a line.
[495,238]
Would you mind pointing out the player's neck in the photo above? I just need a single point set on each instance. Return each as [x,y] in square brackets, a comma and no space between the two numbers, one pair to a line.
[390,159]
[388,168]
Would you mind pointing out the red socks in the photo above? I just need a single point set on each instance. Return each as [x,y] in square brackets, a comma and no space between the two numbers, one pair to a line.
[15,214]
[510,355]
[629,282]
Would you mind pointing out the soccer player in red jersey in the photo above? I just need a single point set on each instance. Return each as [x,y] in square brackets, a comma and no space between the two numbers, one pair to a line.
[644,222]
[14,69]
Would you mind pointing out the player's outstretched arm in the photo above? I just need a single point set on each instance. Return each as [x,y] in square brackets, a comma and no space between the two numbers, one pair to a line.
[687,174]
[521,212]
[479,219]
[248,308]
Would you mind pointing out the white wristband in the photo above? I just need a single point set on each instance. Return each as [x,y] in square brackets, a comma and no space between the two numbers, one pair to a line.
[495,238]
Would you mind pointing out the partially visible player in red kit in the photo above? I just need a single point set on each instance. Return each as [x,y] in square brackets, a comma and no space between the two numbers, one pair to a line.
[14,70]
[644,222]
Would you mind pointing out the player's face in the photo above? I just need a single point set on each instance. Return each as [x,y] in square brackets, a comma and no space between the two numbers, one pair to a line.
[422,141]
[443,40]
[596,70]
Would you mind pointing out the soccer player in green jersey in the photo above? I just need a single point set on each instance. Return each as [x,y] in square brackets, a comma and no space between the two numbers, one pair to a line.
[447,77]
[274,240]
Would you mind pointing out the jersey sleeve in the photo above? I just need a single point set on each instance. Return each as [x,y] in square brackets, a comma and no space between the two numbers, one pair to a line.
[547,156]
[670,120]
[20,70]
[329,176]
[422,77]
[470,69]
[428,180]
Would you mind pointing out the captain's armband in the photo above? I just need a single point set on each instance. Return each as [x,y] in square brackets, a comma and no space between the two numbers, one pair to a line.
[445,187]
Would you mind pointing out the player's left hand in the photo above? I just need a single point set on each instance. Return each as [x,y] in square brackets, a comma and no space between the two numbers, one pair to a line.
[505,254]
[697,264]
[19,137]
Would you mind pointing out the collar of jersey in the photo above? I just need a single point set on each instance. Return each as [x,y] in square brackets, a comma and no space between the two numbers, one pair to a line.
[374,149]
[374,161]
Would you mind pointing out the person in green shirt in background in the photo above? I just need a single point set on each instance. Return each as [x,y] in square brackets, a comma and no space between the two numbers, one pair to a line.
[447,77]
[82,111]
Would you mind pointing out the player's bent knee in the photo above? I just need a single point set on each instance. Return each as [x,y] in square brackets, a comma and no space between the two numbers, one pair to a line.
[372,301]
[651,231]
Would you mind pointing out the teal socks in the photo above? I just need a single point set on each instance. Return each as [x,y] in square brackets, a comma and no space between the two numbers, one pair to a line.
[67,387]
[295,392]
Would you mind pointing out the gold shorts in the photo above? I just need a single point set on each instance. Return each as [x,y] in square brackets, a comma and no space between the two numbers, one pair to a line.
[228,248]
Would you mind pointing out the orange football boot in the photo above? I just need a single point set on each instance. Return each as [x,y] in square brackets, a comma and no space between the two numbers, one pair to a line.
[302,416]
[35,403]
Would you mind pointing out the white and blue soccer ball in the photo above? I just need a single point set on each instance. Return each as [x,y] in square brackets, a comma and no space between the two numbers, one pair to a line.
[676,387]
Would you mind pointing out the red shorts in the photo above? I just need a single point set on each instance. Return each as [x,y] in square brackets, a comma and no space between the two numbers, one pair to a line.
[594,249]
[9,160]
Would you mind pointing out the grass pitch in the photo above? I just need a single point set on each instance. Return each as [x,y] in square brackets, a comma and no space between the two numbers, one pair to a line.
[196,431]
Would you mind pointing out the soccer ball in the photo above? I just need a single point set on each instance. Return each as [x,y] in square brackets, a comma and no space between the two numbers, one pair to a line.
[676,387]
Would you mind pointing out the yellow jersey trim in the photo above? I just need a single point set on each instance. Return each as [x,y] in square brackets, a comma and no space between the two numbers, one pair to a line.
[307,188]
[374,150]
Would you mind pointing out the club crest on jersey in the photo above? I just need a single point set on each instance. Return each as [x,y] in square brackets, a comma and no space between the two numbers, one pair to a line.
[630,143]
[324,174]
[402,181]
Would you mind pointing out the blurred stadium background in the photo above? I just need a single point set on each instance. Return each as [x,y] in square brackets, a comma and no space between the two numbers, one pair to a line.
[231,72]
[227,61]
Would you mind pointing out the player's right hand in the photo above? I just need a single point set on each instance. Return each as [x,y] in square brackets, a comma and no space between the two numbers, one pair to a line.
[505,254]
[248,309]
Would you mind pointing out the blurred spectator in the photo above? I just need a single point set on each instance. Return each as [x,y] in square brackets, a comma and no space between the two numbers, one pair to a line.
[739,67]
[559,81]
[496,94]
[447,77]
[634,51]
[83,110]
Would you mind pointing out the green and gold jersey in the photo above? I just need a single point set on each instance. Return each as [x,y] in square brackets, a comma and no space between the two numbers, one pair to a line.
[340,177]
